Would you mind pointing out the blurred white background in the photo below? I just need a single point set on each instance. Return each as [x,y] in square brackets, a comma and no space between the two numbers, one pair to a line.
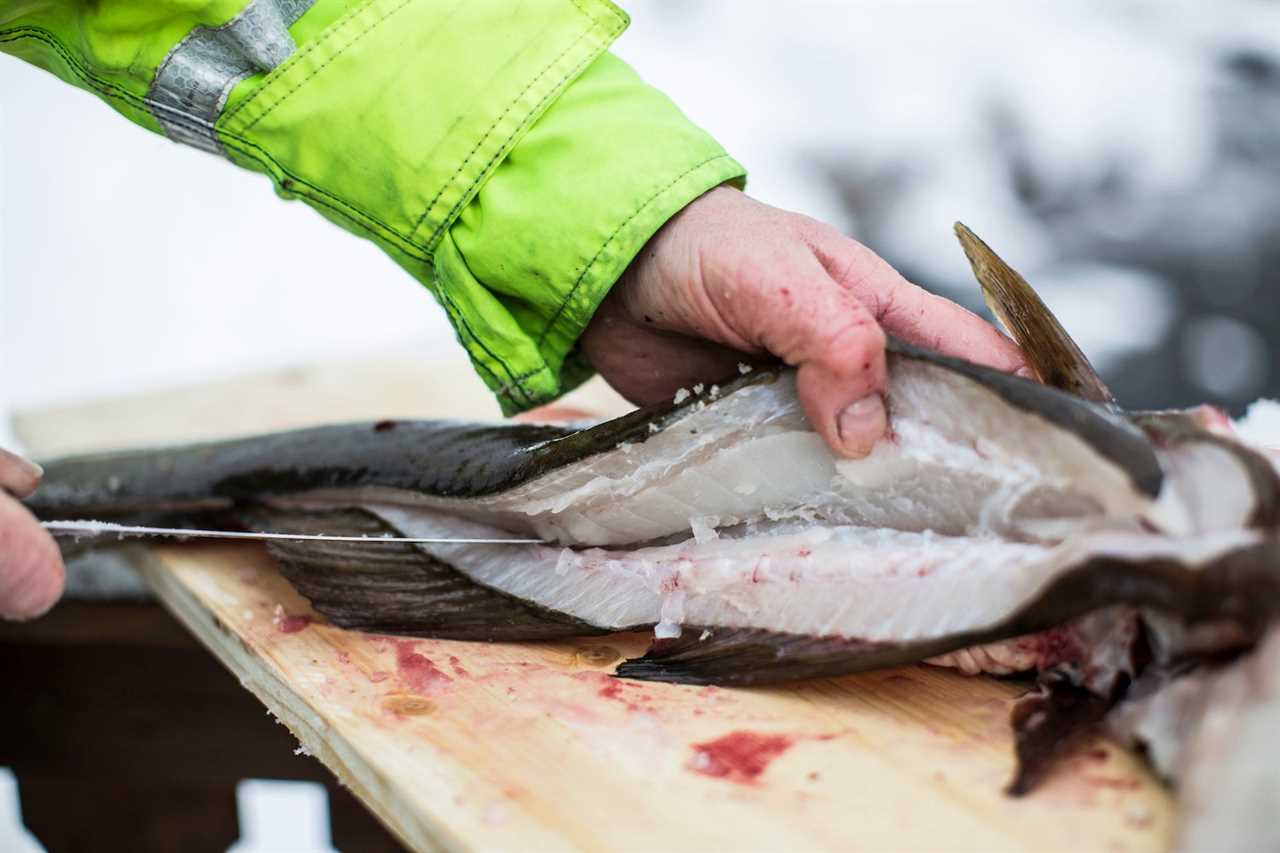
[1125,155]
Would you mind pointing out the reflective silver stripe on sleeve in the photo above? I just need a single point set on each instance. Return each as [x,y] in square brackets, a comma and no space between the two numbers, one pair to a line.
[192,84]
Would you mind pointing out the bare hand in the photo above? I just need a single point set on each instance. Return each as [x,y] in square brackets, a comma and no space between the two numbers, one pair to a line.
[31,573]
[730,279]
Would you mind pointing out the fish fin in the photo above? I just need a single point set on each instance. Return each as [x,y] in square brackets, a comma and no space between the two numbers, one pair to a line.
[396,588]
[1047,722]
[746,656]
[1052,354]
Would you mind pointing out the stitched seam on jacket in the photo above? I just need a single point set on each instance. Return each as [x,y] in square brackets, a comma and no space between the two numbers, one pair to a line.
[485,136]
[460,322]
[555,318]
[501,152]
[374,25]
[331,31]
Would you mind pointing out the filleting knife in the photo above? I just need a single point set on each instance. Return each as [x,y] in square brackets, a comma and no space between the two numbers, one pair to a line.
[104,528]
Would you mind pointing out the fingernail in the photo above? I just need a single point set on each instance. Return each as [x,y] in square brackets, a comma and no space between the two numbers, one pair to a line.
[1025,373]
[861,425]
[18,474]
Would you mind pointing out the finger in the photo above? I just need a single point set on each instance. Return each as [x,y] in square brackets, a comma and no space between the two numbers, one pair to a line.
[18,476]
[841,378]
[911,312]
[799,313]
[31,572]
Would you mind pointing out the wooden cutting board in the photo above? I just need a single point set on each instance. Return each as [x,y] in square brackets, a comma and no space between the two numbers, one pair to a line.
[534,746]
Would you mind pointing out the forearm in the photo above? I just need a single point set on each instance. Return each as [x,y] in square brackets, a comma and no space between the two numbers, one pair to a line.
[493,150]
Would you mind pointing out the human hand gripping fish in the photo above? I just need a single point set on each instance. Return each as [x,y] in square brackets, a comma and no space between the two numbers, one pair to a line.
[729,276]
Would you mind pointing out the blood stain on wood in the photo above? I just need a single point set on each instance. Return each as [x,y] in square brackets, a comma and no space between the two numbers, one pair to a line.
[286,624]
[613,688]
[458,669]
[740,756]
[418,672]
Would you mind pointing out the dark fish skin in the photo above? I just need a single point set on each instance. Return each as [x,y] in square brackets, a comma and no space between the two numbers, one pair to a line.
[396,588]
[455,459]
[1048,722]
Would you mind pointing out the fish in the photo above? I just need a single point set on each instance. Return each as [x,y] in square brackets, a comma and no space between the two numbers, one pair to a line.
[1003,525]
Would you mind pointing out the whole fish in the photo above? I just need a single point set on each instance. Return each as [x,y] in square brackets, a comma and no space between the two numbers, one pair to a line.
[1004,525]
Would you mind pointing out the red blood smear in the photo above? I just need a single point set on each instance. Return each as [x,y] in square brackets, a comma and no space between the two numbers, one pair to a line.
[739,756]
[287,624]
[458,669]
[416,671]
[612,688]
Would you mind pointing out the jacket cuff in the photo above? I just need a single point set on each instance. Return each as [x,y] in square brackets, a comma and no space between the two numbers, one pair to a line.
[527,263]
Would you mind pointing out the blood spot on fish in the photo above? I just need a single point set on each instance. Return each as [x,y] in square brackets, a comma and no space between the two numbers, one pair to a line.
[344,657]
[755,575]
[739,756]
[384,426]
[924,572]
[814,777]
[803,552]
[417,671]
[379,675]
[408,704]
[457,667]
[286,624]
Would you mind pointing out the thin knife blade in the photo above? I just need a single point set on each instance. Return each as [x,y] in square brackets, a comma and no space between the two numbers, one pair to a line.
[97,528]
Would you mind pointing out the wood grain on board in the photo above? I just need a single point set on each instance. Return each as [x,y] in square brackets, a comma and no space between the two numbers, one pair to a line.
[474,746]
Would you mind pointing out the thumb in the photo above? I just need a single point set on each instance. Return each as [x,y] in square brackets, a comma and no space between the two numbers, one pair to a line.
[813,323]
[31,573]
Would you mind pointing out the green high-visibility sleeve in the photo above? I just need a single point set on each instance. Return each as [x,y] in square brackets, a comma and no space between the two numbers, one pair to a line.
[493,148]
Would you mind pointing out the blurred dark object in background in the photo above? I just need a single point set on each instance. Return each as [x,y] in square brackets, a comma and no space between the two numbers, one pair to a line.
[1189,273]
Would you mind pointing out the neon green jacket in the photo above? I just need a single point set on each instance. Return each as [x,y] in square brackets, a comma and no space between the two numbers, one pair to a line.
[492,147]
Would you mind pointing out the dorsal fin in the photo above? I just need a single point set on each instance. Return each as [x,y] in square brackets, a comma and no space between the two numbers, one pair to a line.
[1052,354]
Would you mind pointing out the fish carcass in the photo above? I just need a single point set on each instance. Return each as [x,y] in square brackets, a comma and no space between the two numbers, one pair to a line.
[1004,525]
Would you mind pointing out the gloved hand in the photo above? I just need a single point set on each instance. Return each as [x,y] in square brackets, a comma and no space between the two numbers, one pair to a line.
[729,279]
[31,572]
